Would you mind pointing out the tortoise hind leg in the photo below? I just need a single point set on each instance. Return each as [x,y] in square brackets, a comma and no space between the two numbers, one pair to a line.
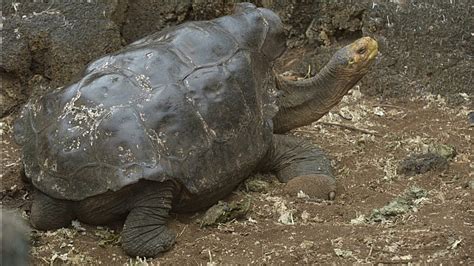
[301,165]
[49,213]
[145,232]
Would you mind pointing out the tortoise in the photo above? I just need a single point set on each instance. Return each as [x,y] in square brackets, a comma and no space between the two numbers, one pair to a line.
[177,120]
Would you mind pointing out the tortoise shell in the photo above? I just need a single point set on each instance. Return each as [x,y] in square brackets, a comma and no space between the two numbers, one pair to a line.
[192,103]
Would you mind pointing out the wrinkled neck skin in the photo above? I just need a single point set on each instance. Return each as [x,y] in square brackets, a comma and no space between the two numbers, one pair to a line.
[305,101]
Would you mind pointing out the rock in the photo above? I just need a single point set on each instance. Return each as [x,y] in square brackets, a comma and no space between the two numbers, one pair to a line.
[307,244]
[54,40]
[207,9]
[343,253]
[10,94]
[470,118]
[14,239]
[256,185]
[470,184]
[439,49]
[422,163]
[144,17]
[447,151]
[223,212]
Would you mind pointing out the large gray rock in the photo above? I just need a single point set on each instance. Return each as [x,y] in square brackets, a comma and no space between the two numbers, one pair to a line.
[53,41]
[146,16]
[425,46]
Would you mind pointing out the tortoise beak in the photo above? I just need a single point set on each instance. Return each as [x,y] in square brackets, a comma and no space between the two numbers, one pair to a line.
[372,47]
[364,49]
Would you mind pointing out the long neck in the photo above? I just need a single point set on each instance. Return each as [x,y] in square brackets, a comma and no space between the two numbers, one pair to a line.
[305,101]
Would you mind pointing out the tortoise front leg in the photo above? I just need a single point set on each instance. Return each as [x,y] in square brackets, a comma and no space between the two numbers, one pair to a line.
[48,213]
[145,232]
[301,165]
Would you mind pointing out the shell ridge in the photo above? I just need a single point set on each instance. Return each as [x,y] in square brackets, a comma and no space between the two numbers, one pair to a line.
[72,173]
[211,135]
[224,31]
[241,94]
[218,63]
[130,75]
[144,128]
[181,55]
[265,32]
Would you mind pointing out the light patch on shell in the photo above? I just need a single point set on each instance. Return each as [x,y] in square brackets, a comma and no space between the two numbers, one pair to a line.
[105,65]
[210,133]
[125,155]
[86,115]
[133,172]
[74,144]
[160,140]
[57,188]
[70,105]
[144,82]
[84,118]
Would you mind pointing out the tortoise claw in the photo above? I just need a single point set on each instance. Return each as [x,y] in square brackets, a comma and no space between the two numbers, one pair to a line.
[332,195]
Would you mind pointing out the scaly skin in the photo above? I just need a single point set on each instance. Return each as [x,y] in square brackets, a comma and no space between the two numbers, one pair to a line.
[305,101]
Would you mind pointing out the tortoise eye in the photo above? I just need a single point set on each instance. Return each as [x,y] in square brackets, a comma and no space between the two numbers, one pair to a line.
[361,50]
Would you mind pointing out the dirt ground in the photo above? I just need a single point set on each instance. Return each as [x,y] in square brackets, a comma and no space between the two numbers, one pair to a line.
[376,136]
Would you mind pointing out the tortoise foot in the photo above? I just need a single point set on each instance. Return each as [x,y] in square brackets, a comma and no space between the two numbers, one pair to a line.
[145,233]
[315,186]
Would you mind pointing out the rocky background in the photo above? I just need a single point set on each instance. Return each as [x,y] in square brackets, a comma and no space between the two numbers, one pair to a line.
[426,46]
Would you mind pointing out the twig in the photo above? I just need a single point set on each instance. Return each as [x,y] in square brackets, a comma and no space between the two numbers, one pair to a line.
[393,262]
[350,128]
[308,73]
[182,231]
[210,257]
[370,253]
[268,253]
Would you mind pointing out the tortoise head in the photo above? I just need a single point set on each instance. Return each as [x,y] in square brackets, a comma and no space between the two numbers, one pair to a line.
[306,101]
[355,58]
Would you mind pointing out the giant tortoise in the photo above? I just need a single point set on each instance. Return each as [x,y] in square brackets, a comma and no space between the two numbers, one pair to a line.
[176,121]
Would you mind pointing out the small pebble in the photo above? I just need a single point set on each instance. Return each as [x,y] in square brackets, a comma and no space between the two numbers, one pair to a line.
[470,117]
